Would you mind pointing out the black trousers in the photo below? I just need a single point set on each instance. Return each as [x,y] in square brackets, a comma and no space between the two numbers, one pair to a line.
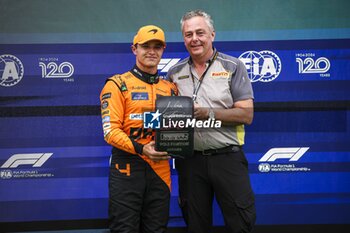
[224,175]
[138,197]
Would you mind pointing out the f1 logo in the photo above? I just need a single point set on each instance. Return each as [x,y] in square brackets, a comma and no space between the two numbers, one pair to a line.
[166,63]
[291,153]
[36,159]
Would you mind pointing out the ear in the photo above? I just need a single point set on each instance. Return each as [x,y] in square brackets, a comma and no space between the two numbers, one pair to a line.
[212,36]
[133,49]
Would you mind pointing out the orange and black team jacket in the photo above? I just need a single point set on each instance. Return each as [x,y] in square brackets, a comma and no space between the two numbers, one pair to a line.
[124,99]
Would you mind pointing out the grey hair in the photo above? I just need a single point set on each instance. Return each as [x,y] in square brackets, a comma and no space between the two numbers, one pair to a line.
[190,14]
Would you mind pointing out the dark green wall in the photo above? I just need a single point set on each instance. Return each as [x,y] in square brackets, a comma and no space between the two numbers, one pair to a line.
[125,16]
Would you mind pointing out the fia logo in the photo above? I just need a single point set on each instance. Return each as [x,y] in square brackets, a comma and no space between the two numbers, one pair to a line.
[264,167]
[11,70]
[151,120]
[310,66]
[6,174]
[52,70]
[166,63]
[263,66]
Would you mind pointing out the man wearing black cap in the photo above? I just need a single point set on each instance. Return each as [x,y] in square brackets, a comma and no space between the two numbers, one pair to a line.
[139,179]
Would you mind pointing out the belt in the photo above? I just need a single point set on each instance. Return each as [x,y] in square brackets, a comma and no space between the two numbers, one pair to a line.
[209,152]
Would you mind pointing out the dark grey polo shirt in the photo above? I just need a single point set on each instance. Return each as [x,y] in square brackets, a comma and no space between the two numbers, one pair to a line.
[225,82]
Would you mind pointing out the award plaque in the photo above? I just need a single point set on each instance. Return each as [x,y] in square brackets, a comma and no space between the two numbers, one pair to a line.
[175,134]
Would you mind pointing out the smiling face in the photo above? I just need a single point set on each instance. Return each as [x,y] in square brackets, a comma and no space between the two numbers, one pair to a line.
[148,55]
[198,38]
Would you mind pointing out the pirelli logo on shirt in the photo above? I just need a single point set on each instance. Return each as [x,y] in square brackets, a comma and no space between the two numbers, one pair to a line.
[222,74]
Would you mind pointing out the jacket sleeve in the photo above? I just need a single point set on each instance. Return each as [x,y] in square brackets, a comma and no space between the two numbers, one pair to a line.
[113,111]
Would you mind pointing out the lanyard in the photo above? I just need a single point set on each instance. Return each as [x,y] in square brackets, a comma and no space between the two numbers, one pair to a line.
[196,89]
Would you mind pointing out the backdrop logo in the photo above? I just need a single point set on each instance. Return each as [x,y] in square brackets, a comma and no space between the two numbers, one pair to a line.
[14,167]
[292,154]
[264,167]
[166,63]
[35,159]
[6,174]
[11,70]
[263,66]
[308,64]
[51,68]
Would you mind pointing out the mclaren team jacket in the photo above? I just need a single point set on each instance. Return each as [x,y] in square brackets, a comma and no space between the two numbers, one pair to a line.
[124,99]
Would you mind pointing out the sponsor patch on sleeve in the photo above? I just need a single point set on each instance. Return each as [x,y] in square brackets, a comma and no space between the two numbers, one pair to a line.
[106,112]
[106,96]
[104,105]
[106,119]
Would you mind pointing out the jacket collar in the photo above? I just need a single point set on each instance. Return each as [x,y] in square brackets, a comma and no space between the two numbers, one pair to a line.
[146,77]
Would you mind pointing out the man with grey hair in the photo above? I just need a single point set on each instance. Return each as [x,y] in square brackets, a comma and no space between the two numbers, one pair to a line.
[221,90]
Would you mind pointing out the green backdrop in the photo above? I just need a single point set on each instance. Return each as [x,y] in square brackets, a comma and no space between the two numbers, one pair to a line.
[99,21]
